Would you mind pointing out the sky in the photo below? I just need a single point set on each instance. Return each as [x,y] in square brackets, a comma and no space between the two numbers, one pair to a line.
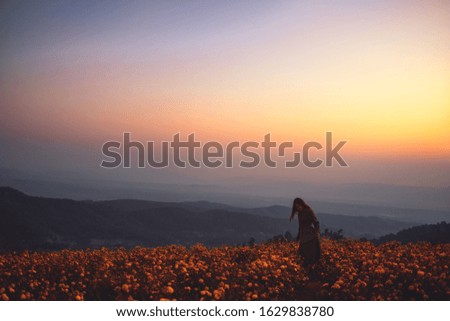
[75,74]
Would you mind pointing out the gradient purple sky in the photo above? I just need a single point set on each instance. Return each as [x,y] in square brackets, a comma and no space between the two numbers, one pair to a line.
[74,74]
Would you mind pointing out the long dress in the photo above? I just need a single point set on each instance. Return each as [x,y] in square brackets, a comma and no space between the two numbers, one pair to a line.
[308,236]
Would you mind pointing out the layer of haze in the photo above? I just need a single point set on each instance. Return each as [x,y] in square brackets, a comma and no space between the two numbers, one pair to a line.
[74,74]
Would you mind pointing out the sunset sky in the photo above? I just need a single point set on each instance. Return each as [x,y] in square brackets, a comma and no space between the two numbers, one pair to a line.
[74,74]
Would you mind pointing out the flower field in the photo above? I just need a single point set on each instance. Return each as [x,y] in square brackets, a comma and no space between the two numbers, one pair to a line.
[348,270]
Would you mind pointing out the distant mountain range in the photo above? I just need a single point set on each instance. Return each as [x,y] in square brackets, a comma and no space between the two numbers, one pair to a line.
[405,203]
[38,223]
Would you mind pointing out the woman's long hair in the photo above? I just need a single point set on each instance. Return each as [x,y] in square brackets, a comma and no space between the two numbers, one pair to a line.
[299,201]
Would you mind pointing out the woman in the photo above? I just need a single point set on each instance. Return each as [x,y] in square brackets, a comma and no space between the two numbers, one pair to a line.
[308,232]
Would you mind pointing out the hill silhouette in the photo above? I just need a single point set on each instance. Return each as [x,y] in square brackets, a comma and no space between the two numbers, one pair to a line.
[433,233]
[39,223]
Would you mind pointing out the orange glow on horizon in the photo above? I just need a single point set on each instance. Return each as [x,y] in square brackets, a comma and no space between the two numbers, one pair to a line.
[379,81]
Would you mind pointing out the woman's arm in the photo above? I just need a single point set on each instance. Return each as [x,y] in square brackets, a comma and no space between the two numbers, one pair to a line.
[316,223]
[292,216]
